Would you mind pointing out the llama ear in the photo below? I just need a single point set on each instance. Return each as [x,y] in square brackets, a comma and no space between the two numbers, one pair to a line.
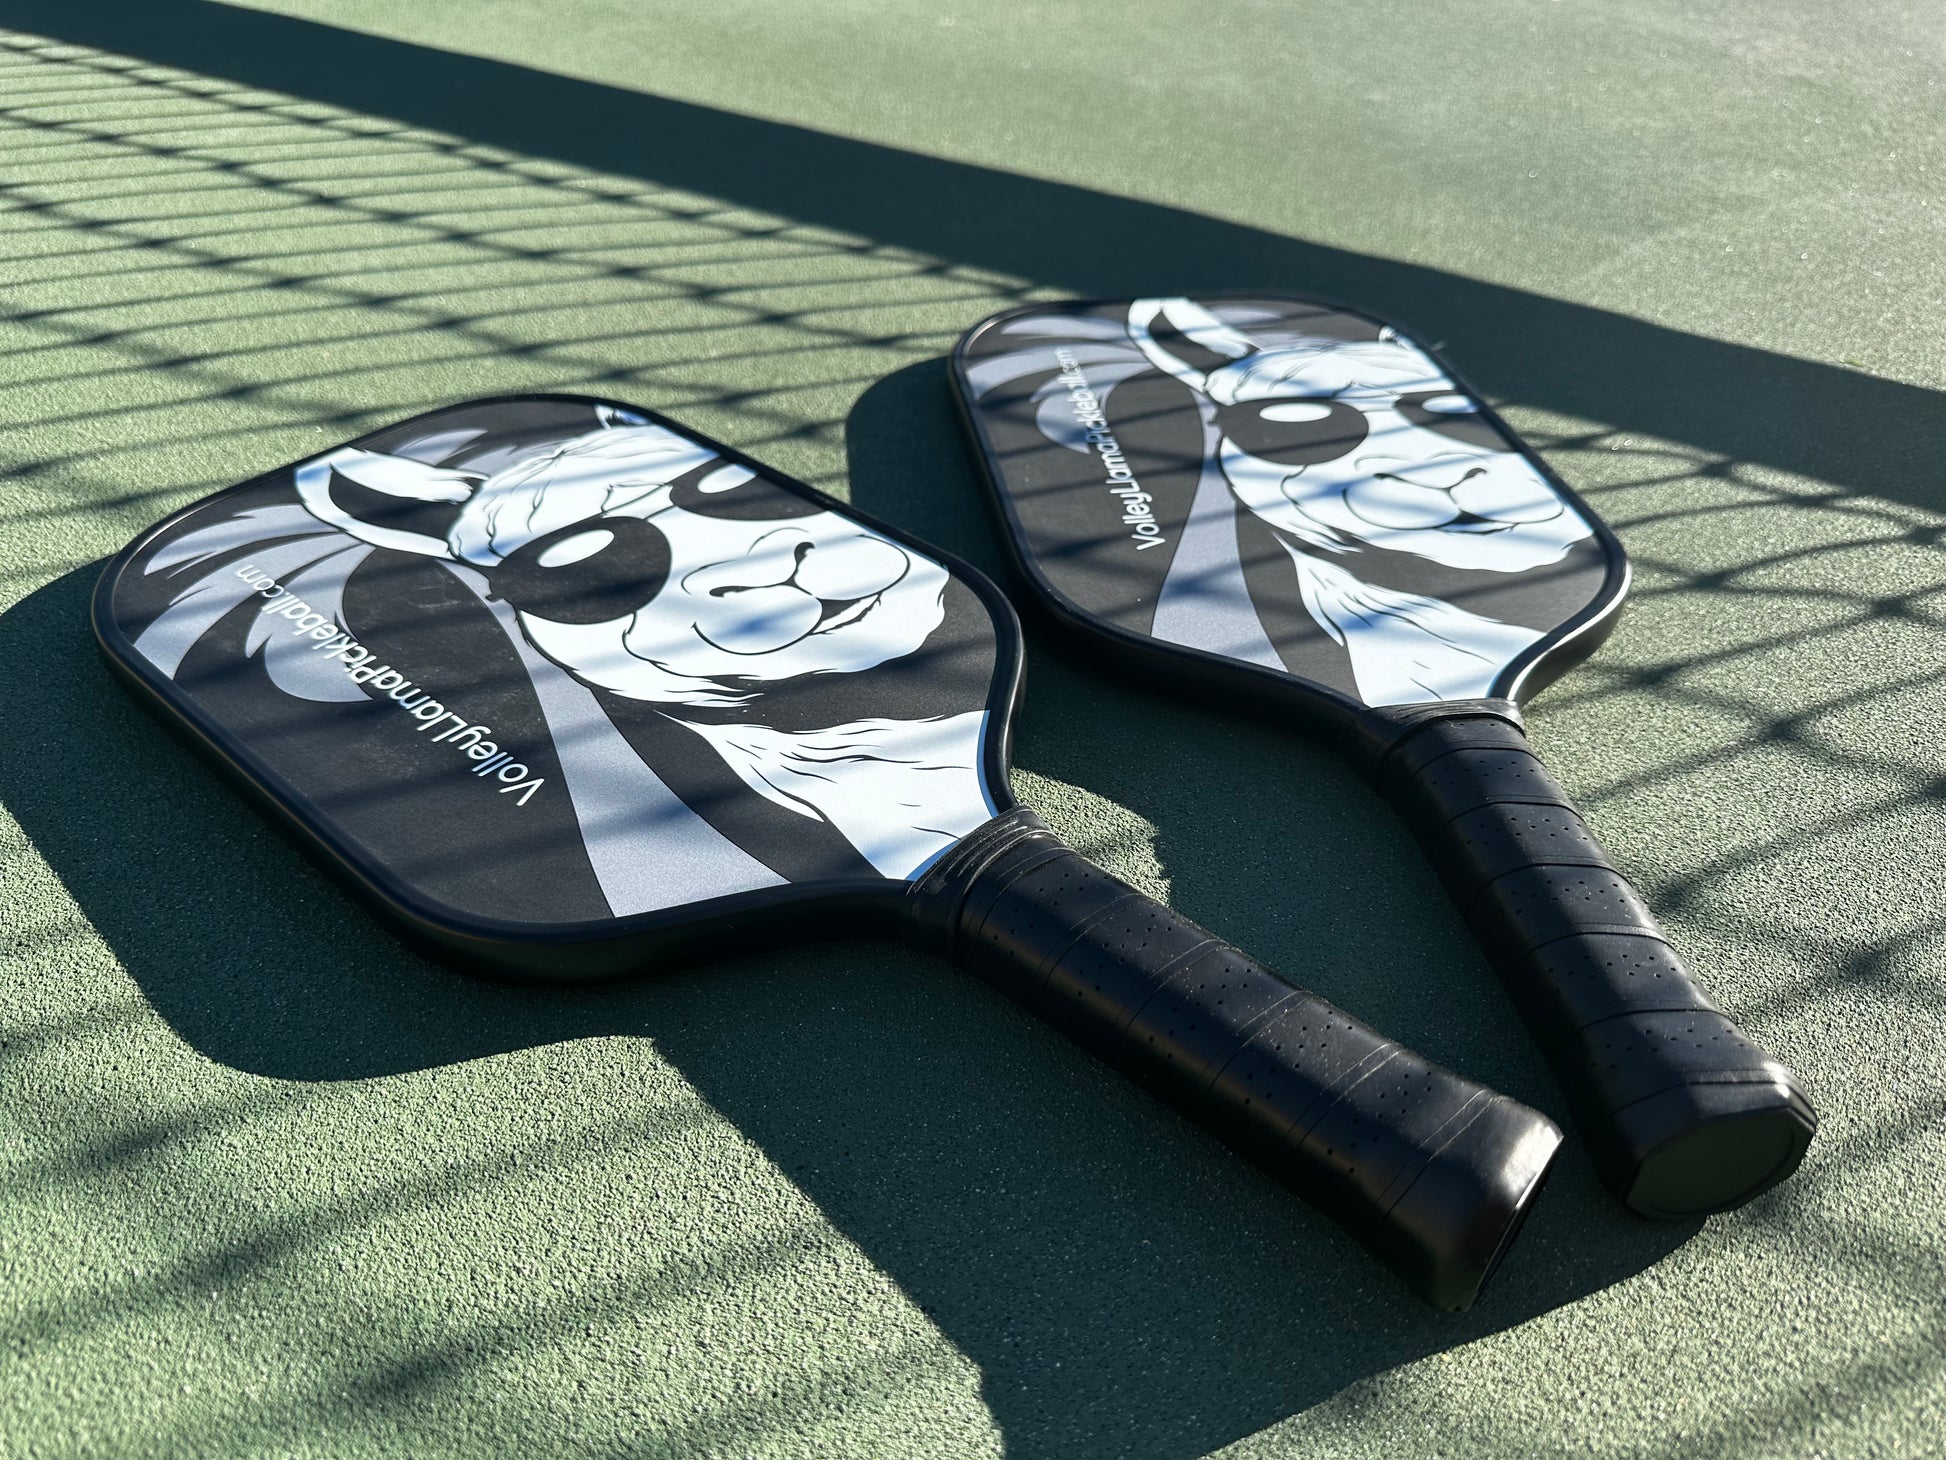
[406,505]
[1186,339]
[400,476]
[613,416]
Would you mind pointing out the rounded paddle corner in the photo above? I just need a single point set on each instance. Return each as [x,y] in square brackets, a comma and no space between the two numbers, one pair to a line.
[599,830]
[1577,639]
[593,951]
[1286,500]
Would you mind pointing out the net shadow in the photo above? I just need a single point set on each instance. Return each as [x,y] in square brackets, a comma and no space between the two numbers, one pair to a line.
[234,237]
[1812,419]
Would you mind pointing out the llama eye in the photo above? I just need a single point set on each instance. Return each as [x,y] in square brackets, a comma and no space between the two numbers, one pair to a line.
[1294,430]
[1306,411]
[586,575]
[570,550]
[733,493]
[1453,415]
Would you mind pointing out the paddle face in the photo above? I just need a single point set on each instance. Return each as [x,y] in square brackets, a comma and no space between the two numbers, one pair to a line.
[1285,489]
[551,677]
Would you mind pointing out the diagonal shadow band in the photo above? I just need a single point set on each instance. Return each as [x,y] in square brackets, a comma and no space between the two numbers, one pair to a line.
[1821,421]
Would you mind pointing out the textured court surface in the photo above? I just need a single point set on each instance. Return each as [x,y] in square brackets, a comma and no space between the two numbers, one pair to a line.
[270,1186]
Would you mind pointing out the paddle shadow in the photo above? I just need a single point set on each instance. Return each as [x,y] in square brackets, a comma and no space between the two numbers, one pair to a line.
[1125,1286]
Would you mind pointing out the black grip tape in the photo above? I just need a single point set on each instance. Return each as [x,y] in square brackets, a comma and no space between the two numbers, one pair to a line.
[1580,982]
[1478,776]
[1430,1171]
[1682,1113]
[1631,1058]
[1198,1016]
[1029,907]
[1292,1066]
[1110,970]
[1529,907]
[1487,843]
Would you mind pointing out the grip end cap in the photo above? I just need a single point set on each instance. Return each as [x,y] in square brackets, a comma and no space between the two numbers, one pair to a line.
[1708,1147]
[1454,1223]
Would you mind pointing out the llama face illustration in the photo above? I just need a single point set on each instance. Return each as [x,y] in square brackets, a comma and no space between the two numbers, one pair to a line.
[687,627]
[649,567]
[1348,443]
[1413,553]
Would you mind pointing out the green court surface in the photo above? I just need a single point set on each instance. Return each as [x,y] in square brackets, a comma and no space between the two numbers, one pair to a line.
[271,1186]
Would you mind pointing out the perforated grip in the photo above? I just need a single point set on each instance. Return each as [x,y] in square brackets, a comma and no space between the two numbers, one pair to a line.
[1431,1172]
[1683,1115]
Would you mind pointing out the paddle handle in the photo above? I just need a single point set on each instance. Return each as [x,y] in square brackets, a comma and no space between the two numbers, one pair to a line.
[1430,1171]
[1682,1113]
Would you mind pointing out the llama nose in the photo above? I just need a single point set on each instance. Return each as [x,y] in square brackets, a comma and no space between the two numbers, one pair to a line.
[1441,474]
[1385,500]
[857,568]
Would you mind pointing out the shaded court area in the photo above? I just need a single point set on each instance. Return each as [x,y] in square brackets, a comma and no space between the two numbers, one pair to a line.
[268,1184]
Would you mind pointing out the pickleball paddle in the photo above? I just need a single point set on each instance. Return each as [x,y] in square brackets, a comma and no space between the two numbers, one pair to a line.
[1297,506]
[566,690]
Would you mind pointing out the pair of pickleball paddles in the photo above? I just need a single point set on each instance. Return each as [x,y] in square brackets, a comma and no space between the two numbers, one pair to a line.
[567,690]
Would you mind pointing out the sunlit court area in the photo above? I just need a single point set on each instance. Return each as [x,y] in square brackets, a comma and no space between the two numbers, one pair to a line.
[298,1157]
